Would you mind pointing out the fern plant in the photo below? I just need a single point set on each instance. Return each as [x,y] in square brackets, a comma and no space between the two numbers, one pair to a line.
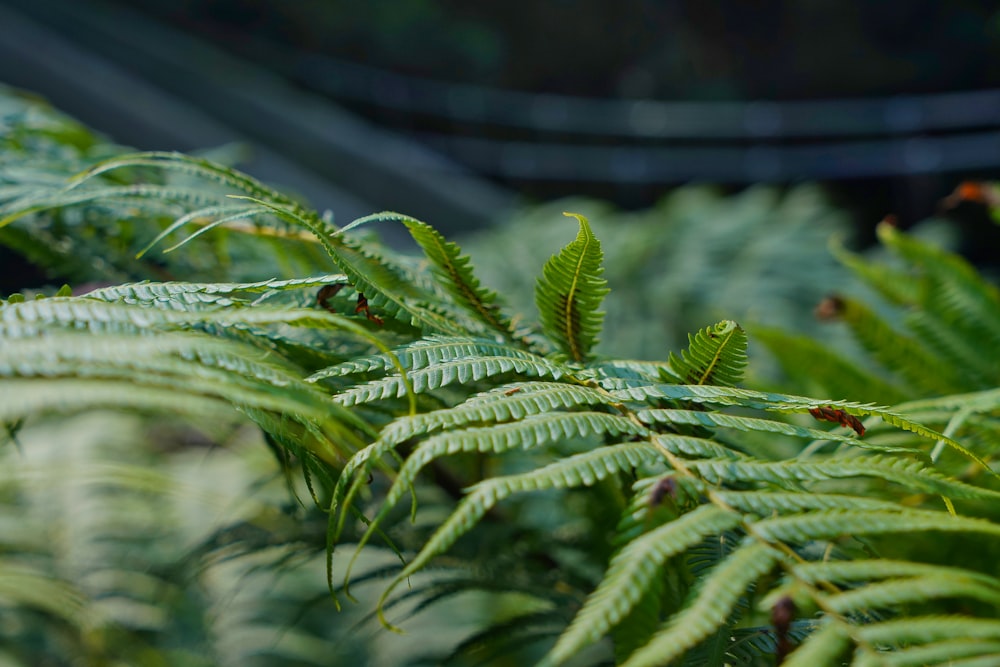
[614,509]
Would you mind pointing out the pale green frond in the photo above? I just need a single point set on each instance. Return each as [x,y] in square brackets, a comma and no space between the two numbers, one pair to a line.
[754,424]
[829,524]
[193,362]
[426,352]
[569,293]
[946,652]
[907,473]
[21,397]
[528,433]
[137,195]
[23,586]
[33,317]
[928,629]
[978,401]
[770,503]
[759,400]
[692,447]
[472,369]
[629,574]
[579,470]
[181,296]
[821,647]
[716,355]
[186,164]
[514,401]
[848,571]
[220,216]
[896,592]
[714,601]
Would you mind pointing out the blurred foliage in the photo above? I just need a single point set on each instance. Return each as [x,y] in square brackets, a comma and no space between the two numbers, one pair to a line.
[40,148]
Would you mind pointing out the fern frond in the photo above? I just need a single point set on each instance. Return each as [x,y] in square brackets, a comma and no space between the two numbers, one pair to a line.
[716,355]
[510,402]
[946,652]
[387,290]
[752,424]
[569,293]
[463,371]
[962,296]
[814,364]
[822,646]
[629,574]
[23,397]
[788,474]
[181,296]
[455,276]
[211,217]
[714,601]
[579,470]
[897,352]
[832,523]
[898,592]
[529,433]
[427,352]
[758,400]
[186,164]
[692,447]
[139,195]
[27,587]
[770,503]
[928,629]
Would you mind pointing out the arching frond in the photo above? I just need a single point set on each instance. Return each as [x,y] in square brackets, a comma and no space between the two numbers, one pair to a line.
[515,401]
[713,603]
[630,572]
[182,296]
[463,371]
[815,364]
[579,470]
[569,293]
[454,273]
[426,352]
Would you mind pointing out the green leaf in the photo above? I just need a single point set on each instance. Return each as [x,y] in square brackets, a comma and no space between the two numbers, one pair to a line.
[716,355]
[714,601]
[425,352]
[579,470]
[440,375]
[821,647]
[184,296]
[629,575]
[454,273]
[569,293]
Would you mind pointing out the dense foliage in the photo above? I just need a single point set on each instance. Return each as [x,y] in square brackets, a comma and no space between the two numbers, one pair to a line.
[590,508]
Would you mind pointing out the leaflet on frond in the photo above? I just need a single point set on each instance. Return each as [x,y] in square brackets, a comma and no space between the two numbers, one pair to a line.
[569,293]
[716,355]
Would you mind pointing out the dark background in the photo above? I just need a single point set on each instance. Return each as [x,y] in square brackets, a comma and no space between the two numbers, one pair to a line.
[481,83]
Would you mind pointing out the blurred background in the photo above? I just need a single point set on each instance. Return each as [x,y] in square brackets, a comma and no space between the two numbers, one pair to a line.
[460,112]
